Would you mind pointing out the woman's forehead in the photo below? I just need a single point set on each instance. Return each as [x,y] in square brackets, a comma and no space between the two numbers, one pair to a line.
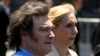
[69,18]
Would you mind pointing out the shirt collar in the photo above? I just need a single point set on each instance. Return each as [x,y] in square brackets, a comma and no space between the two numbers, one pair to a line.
[25,51]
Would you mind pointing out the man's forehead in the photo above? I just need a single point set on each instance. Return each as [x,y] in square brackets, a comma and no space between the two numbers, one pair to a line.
[40,18]
[42,21]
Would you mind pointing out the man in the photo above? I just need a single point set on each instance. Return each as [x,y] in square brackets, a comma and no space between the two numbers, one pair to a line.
[30,31]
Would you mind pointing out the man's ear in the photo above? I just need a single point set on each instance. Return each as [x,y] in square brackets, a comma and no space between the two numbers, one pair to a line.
[24,35]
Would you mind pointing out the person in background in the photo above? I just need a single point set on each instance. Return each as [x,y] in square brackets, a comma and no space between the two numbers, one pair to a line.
[30,31]
[97,50]
[90,9]
[4,21]
[76,3]
[48,2]
[14,4]
[95,39]
[5,4]
[65,22]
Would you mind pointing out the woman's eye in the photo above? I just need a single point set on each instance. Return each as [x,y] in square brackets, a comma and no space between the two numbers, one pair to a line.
[69,25]
[76,24]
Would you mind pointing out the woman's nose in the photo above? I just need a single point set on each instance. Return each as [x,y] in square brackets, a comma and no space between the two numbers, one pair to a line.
[75,30]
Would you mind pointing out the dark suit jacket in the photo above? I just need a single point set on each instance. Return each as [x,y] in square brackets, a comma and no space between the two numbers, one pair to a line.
[4,21]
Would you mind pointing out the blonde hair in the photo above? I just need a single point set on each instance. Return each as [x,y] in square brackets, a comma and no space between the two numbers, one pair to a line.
[56,13]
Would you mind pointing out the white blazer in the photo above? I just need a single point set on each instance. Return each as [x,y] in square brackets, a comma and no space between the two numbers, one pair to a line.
[54,52]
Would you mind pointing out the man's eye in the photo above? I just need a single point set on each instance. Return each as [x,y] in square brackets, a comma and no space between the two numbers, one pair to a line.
[44,29]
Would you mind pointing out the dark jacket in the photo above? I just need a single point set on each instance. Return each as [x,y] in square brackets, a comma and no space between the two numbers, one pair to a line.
[4,21]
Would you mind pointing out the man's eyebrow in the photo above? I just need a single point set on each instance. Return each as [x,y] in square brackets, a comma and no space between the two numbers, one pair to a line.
[51,27]
[47,26]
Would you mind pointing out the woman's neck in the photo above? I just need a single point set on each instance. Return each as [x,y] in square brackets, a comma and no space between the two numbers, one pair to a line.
[62,49]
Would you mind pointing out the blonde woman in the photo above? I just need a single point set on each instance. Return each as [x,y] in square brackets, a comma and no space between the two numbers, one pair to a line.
[64,19]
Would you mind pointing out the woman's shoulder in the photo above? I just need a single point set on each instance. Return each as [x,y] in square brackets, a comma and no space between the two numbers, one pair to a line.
[72,52]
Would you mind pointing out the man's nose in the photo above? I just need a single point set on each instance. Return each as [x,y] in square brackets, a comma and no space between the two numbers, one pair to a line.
[52,35]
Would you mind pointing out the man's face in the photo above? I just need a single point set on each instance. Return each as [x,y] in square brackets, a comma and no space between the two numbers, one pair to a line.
[43,32]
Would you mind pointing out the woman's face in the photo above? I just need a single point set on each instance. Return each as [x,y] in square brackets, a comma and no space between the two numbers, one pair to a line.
[67,30]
